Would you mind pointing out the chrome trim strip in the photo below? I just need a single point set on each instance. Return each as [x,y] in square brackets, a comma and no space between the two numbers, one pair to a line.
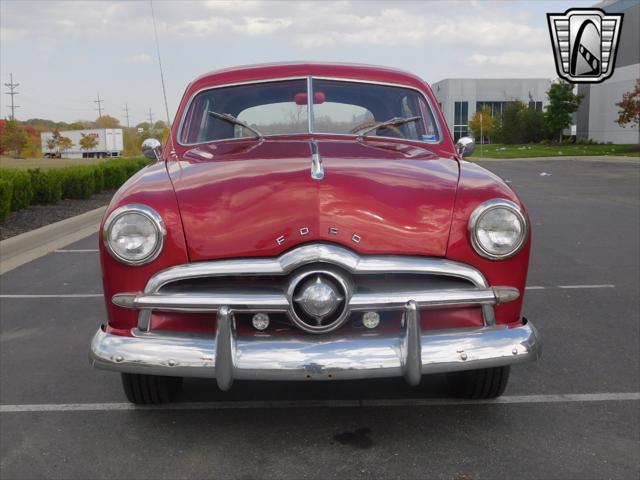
[200,302]
[424,299]
[145,211]
[487,206]
[310,119]
[317,170]
[274,303]
[334,356]
[309,108]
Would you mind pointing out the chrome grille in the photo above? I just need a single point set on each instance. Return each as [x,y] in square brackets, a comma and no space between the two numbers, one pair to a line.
[381,282]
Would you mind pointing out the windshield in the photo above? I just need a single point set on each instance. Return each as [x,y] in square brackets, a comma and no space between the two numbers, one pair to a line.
[282,108]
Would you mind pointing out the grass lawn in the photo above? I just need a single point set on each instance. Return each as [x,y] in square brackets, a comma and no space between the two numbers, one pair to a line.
[495,150]
[44,163]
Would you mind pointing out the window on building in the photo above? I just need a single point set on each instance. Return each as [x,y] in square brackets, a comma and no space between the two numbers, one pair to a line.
[496,107]
[536,105]
[460,120]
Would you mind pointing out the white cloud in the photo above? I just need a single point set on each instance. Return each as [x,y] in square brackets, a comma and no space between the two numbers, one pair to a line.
[514,58]
[139,58]
[263,25]
[435,40]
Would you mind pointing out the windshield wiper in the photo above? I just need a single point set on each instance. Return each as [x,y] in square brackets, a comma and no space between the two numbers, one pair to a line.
[386,123]
[227,117]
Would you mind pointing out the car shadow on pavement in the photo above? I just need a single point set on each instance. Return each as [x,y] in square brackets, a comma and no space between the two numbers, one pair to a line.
[199,390]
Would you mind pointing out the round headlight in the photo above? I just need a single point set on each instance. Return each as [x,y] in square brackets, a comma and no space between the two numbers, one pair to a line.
[498,229]
[134,234]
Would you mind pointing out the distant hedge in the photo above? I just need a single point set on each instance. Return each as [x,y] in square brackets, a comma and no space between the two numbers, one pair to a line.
[21,188]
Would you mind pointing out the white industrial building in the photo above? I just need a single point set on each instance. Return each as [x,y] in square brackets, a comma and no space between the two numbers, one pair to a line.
[598,112]
[459,98]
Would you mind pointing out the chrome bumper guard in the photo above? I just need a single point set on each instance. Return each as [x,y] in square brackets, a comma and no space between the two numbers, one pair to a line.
[335,356]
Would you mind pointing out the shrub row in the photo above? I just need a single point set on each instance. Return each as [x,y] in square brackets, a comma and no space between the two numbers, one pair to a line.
[21,188]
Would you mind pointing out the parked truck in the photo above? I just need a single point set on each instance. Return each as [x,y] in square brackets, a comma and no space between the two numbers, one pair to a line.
[107,143]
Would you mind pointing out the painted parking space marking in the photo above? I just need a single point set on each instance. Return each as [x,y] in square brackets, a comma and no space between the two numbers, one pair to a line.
[86,250]
[399,402]
[586,286]
[575,287]
[62,295]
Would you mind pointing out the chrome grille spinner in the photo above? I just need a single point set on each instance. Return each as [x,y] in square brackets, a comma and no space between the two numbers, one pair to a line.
[319,299]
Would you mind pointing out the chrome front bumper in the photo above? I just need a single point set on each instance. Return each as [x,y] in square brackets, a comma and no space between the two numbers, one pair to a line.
[334,356]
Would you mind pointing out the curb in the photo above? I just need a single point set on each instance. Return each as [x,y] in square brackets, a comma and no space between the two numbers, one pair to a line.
[585,158]
[23,248]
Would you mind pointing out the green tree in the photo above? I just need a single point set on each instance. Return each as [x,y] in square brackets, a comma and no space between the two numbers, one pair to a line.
[629,112]
[64,143]
[107,121]
[509,127]
[562,104]
[87,142]
[54,141]
[533,124]
[484,115]
[13,138]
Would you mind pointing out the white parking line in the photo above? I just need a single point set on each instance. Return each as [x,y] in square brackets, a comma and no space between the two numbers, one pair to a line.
[400,402]
[88,250]
[539,287]
[66,295]
[587,286]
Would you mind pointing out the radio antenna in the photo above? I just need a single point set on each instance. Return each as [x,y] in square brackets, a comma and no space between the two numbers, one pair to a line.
[164,91]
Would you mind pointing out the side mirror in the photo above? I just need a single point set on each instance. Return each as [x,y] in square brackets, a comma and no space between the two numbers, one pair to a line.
[152,148]
[465,146]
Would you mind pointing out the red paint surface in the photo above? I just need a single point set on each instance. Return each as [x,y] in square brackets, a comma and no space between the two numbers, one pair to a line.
[237,198]
[234,198]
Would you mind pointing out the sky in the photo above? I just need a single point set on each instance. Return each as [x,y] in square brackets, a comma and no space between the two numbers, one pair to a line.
[63,53]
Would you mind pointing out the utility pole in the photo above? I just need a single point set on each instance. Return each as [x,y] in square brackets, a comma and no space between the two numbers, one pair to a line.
[481,137]
[150,117]
[126,113]
[99,102]
[12,91]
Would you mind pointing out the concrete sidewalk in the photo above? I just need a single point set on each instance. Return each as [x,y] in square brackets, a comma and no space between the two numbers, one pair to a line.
[23,248]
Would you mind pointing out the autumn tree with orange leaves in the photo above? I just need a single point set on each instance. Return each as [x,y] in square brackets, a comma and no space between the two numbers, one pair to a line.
[629,112]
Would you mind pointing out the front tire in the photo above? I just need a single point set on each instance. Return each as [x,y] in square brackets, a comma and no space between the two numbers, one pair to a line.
[479,384]
[150,389]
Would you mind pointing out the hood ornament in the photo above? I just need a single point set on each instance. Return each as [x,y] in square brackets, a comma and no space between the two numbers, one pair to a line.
[317,170]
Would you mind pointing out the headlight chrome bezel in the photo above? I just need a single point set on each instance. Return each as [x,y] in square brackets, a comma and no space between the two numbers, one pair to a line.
[138,209]
[483,209]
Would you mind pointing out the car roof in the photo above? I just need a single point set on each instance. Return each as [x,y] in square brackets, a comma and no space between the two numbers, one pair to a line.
[247,73]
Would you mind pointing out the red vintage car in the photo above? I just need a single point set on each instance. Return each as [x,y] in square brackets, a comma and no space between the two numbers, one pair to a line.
[311,221]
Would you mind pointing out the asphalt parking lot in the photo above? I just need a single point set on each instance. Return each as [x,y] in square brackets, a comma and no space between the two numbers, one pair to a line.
[575,414]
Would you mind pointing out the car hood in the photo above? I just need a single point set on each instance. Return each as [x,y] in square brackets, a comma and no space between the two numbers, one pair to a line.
[257,198]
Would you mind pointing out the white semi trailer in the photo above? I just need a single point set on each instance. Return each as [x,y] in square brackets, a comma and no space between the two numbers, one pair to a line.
[108,143]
